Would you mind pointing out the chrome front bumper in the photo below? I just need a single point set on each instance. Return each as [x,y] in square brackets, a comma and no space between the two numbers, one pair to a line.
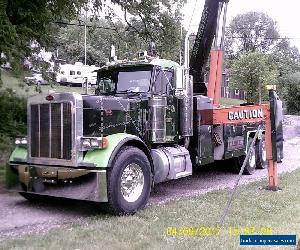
[71,183]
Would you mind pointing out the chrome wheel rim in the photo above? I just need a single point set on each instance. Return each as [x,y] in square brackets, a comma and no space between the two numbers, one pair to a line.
[252,159]
[132,182]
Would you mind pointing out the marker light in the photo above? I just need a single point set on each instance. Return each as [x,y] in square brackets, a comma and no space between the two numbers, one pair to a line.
[49,97]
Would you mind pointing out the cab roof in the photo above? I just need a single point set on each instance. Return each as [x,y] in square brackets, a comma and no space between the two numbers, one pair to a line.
[168,64]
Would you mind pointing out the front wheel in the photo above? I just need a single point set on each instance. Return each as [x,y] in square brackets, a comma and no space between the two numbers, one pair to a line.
[129,181]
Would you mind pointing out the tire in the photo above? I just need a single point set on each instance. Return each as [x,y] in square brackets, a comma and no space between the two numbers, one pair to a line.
[251,163]
[129,164]
[261,156]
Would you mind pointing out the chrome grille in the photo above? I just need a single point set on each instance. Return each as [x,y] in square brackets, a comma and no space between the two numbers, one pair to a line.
[51,130]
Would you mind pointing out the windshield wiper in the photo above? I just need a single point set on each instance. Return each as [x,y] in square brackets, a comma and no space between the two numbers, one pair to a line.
[128,92]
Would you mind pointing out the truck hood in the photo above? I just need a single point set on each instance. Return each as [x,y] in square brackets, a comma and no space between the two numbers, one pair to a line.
[105,115]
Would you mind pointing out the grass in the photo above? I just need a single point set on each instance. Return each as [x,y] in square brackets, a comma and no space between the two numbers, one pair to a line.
[228,102]
[22,89]
[252,207]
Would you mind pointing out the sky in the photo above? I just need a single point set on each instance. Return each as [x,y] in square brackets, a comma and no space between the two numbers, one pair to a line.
[285,12]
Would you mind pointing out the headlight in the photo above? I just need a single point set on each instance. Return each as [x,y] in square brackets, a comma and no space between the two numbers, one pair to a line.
[88,143]
[21,141]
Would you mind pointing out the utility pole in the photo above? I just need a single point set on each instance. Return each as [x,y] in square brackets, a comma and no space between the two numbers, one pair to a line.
[85,38]
[180,55]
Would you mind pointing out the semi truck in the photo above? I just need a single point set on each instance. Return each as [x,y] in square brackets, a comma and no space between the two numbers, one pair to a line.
[148,122]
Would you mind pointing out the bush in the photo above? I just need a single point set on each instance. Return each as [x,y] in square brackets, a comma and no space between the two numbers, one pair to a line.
[292,94]
[6,147]
[12,114]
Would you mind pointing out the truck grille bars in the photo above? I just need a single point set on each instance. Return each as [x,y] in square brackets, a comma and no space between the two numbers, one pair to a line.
[51,130]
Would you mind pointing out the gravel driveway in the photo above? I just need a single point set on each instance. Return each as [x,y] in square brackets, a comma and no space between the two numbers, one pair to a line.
[18,216]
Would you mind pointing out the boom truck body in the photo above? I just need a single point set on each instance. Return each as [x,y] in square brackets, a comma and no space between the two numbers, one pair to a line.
[147,123]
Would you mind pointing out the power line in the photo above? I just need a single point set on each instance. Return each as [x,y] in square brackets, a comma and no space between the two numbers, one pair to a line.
[82,25]
[266,38]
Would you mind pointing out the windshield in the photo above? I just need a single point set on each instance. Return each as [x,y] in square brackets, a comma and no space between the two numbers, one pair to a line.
[137,81]
[124,80]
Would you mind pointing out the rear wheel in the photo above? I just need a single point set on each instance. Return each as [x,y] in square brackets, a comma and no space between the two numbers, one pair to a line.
[261,155]
[251,163]
[129,181]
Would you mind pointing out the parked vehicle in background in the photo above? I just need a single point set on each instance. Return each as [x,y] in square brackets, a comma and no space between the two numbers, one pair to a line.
[91,78]
[75,74]
[35,79]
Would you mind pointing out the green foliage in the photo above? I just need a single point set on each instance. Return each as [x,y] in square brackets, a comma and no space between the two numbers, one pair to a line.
[25,22]
[252,72]
[145,22]
[71,42]
[13,121]
[12,114]
[22,22]
[156,21]
[292,94]
[6,147]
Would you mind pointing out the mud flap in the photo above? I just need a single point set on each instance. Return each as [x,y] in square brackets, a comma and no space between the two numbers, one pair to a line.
[276,112]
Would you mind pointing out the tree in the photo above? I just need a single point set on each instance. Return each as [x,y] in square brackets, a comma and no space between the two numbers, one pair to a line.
[252,72]
[251,32]
[156,22]
[256,32]
[148,22]
[286,59]
[27,21]
[22,22]
[101,34]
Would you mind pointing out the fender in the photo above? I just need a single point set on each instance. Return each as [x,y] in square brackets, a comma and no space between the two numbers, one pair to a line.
[103,158]
[19,154]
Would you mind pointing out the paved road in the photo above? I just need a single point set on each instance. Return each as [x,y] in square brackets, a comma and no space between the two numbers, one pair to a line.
[18,216]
